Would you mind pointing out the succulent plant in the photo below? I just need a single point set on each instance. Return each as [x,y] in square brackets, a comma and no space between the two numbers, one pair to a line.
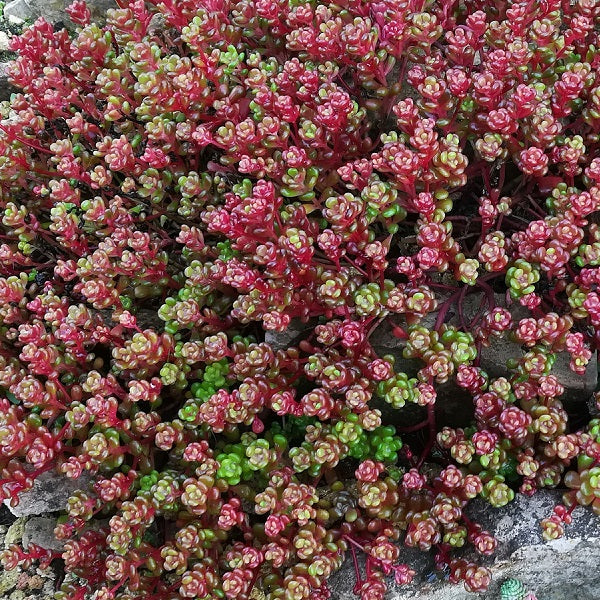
[513,589]
[186,182]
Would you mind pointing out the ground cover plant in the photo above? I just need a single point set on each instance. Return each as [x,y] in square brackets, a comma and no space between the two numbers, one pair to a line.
[189,180]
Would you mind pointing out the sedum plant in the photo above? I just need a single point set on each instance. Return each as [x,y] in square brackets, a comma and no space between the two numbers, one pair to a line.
[192,181]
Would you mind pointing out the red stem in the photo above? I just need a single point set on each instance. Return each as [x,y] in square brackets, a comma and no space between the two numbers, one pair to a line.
[356,569]
[413,427]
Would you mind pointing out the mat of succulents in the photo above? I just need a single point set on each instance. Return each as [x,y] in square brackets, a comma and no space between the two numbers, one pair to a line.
[292,282]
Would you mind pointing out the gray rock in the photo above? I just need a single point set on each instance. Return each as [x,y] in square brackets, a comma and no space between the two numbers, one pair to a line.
[594,406]
[53,11]
[294,333]
[493,359]
[40,531]
[4,41]
[50,493]
[14,533]
[6,89]
[157,23]
[8,580]
[555,570]
[578,388]
[18,11]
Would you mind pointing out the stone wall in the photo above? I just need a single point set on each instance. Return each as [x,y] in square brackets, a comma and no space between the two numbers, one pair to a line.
[18,13]
[557,570]
[564,569]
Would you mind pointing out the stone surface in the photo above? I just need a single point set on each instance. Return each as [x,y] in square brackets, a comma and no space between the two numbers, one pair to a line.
[14,533]
[456,409]
[4,41]
[31,583]
[594,406]
[49,494]
[53,11]
[493,359]
[6,517]
[40,531]
[295,332]
[14,20]
[8,580]
[578,388]
[6,89]
[9,535]
[564,569]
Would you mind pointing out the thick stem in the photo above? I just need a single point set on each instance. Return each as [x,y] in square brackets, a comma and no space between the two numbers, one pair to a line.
[444,310]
